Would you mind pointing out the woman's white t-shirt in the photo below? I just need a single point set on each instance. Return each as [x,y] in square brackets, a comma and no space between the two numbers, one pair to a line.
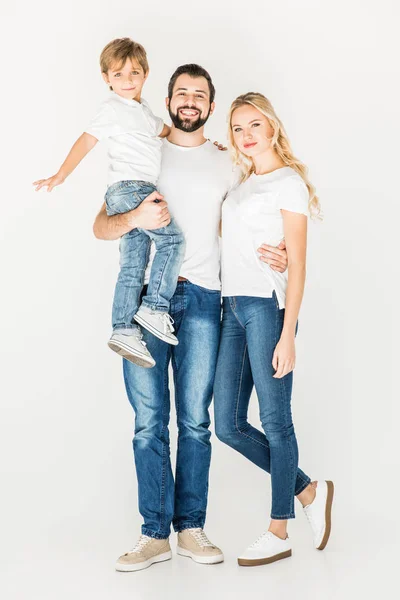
[251,216]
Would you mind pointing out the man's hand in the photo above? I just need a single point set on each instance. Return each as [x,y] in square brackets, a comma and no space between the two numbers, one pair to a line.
[276,257]
[220,146]
[150,214]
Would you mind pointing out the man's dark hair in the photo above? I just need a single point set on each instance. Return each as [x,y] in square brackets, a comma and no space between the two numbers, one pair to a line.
[193,71]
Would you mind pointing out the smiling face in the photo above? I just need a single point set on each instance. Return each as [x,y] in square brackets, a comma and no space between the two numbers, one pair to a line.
[127,81]
[251,130]
[189,106]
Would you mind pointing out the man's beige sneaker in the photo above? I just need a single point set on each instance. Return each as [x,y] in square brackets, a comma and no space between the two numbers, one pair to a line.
[194,544]
[146,552]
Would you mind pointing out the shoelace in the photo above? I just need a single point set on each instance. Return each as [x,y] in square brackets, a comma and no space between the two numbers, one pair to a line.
[141,543]
[168,322]
[262,538]
[138,334]
[201,537]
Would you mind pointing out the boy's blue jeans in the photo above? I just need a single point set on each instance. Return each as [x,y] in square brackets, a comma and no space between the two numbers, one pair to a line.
[251,329]
[122,197]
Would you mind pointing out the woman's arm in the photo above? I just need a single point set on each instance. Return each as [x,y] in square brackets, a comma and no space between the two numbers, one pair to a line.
[148,215]
[295,228]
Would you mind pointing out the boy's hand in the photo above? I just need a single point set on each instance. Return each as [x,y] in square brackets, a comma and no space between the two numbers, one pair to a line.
[50,183]
[276,258]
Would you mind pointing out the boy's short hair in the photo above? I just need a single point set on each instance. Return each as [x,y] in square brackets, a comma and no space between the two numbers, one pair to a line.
[192,70]
[118,51]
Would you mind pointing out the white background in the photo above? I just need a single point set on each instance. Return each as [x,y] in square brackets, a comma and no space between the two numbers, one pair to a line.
[68,489]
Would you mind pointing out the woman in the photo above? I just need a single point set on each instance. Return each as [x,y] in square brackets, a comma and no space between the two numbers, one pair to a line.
[260,311]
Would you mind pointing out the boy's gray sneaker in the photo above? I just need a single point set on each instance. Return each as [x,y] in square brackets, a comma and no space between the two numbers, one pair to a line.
[132,347]
[158,323]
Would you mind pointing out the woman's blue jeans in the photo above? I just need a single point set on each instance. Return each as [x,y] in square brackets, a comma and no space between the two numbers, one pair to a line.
[251,328]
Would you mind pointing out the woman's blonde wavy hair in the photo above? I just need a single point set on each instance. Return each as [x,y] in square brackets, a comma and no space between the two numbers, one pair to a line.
[279,142]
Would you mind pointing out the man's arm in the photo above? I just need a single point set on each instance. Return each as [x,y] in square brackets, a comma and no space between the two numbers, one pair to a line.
[148,215]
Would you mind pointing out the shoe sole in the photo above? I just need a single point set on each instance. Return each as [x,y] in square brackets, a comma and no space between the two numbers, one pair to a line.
[255,562]
[203,560]
[127,353]
[144,565]
[328,515]
[155,331]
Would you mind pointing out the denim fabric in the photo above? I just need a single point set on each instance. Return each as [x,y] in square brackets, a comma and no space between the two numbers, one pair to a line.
[251,328]
[197,315]
[134,255]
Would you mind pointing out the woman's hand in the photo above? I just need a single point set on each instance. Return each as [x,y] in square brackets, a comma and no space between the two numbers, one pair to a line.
[50,182]
[284,358]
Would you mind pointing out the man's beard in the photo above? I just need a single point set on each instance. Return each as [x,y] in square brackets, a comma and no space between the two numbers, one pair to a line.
[187,125]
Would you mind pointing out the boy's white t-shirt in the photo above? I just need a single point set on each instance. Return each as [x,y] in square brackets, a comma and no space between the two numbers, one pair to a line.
[194,182]
[251,216]
[132,130]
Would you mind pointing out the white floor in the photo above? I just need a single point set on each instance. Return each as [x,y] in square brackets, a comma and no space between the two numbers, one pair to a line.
[353,565]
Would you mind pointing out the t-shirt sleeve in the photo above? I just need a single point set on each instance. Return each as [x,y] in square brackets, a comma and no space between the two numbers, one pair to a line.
[233,176]
[159,124]
[104,123]
[294,196]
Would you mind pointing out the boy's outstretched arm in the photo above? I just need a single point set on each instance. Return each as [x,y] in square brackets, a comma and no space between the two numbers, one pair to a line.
[82,146]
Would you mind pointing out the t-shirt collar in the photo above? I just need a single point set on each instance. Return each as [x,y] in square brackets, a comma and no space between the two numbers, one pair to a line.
[132,102]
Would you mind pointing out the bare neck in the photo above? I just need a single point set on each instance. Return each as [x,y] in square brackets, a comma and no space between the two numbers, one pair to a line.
[267,162]
[187,140]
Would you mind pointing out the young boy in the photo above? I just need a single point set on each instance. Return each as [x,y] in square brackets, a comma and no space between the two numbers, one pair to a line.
[134,145]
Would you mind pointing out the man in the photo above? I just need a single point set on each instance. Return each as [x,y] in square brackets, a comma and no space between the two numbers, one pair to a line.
[195,177]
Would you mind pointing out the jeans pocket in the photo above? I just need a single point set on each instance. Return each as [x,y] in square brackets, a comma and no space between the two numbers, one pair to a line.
[121,201]
[206,290]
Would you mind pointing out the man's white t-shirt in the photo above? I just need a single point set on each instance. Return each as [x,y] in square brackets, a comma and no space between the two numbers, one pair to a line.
[131,130]
[194,182]
[251,216]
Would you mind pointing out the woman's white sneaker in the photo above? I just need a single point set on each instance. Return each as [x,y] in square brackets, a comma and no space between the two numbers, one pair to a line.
[319,513]
[266,549]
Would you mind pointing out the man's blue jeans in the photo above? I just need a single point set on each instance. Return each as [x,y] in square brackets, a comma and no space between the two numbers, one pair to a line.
[197,315]
[134,249]
[251,328]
